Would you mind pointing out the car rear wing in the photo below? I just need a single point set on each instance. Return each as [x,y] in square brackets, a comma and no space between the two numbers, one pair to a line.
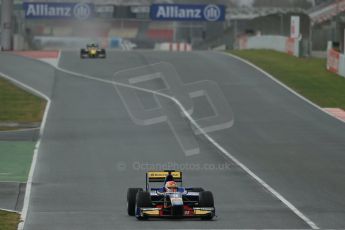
[160,176]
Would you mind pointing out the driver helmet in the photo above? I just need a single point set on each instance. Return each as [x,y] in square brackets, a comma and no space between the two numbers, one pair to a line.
[170,186]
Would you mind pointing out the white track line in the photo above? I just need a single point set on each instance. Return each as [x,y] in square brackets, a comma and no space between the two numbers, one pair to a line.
[218,146]
[18,130]
[34,158]
[9,210]
[281,84]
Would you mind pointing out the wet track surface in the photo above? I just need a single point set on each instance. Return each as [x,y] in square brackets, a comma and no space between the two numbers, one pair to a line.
[92,149]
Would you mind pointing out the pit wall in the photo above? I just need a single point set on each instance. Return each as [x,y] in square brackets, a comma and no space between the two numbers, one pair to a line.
[272,42]
[335,62]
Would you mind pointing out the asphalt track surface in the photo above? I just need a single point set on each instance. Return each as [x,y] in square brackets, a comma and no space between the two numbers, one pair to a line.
[12,195]
[91,147]
[20,135]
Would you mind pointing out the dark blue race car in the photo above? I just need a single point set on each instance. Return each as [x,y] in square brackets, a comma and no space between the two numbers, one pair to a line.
[169,200]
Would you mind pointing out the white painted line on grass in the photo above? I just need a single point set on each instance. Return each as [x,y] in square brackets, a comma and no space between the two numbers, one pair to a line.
[281,84]
[19,130]
[218,146]
[11,181]
[9,210]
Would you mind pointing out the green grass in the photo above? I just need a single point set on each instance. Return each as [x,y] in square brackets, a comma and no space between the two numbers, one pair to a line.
[15,160]
[308,77]
[9,220]
[17,105]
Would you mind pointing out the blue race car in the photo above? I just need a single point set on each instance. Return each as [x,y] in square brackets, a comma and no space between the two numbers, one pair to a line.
[170,200]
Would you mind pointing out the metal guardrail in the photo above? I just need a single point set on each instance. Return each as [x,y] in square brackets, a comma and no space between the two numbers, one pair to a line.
[251,13]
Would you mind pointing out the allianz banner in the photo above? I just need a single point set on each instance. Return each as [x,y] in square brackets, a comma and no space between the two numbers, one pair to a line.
[187,12]
[41,10]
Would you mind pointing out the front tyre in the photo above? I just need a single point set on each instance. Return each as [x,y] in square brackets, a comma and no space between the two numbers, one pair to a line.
[143,200]
[131,199]
[206,201]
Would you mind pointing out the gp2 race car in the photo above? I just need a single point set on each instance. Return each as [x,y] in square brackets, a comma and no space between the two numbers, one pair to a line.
[92,51]
[163,202]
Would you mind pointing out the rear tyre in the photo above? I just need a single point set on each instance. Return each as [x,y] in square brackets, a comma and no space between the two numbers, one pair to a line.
[103,53]
[131,199]
[206,201]
[82,53]
[143,200]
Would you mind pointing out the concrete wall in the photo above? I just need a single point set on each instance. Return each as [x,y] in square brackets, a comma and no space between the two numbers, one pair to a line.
[336,62]
[272,42]
[173,46]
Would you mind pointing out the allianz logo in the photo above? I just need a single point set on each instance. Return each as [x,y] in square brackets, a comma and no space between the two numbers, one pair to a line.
[210,12]
[80,10]
[46,10]
[176,12]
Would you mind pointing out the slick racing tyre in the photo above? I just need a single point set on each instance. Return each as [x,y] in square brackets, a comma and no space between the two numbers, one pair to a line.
[143,200]
[131,199]
[206,201]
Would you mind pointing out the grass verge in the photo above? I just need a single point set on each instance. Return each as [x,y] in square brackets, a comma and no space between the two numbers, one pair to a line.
[308,77]
[9,220]
[17,105]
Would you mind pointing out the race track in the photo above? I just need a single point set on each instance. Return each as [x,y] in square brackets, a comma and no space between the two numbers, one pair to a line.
[93,149]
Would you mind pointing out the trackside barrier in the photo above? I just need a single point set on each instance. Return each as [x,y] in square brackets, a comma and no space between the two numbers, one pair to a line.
[219,48]
[278,43]
[50,42]
[336,62]
[171,46]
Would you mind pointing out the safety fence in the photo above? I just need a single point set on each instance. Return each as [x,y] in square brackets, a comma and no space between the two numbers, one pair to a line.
[336,62]
[278,43]
[173,46]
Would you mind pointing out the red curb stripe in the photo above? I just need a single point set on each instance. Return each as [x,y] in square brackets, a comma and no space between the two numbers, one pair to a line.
[38,54]
[339,113]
